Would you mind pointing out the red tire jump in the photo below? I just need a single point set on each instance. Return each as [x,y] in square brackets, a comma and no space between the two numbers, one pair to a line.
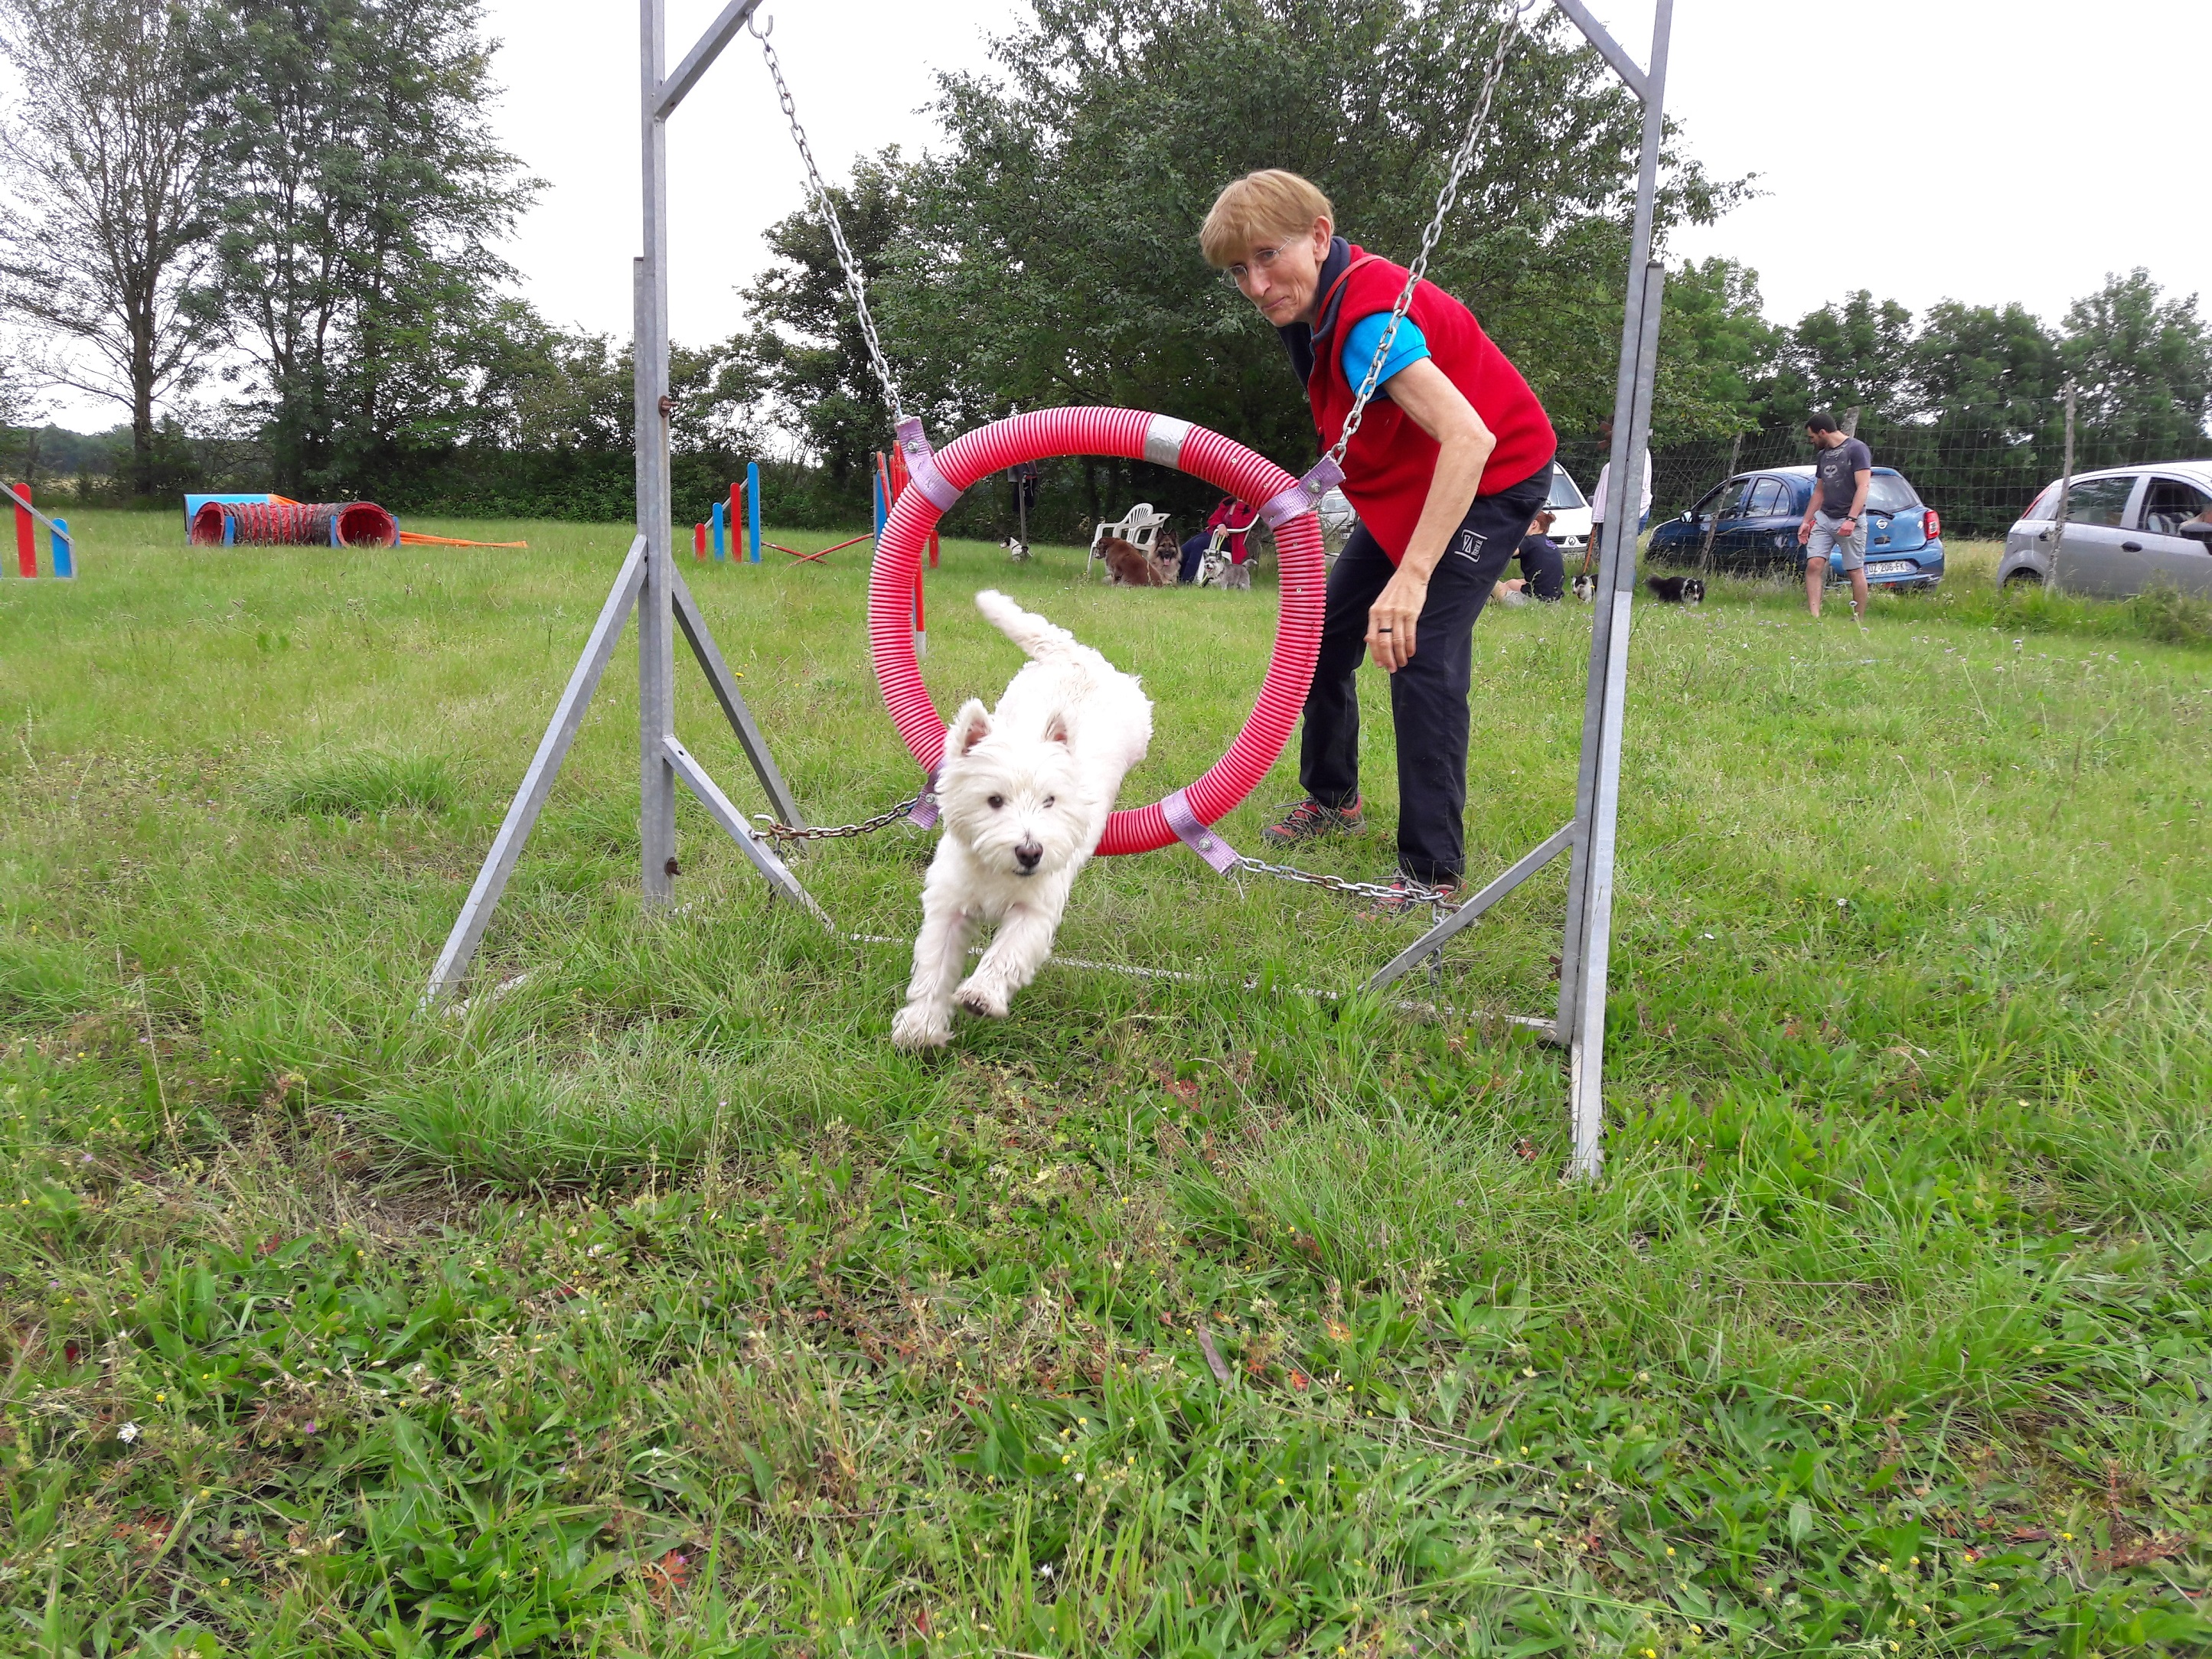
[1133,435]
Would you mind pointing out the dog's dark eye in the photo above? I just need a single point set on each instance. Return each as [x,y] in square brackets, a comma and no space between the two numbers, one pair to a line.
[996,801]
[1048,800]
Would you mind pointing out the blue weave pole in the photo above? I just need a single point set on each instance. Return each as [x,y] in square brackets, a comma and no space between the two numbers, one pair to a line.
[719,510]
[64,549]
[752,507]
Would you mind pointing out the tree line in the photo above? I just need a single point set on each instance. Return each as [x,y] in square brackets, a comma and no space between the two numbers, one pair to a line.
[270,230]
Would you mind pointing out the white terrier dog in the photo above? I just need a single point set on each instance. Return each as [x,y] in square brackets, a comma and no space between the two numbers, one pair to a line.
[1026,789]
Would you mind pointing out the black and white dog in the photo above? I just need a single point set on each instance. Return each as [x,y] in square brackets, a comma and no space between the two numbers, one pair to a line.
[1676,590]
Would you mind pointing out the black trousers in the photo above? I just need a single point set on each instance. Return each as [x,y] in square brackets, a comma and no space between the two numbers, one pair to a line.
[1428,695]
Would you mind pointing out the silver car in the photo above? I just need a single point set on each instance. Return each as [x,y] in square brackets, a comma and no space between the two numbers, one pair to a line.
[2124,532]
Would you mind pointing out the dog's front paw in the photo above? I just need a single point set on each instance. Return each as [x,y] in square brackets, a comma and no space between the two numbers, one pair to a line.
[917,1026]
[980,998]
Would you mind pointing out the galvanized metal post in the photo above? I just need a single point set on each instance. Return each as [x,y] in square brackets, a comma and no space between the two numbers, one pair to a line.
[656,635]
[1583,956]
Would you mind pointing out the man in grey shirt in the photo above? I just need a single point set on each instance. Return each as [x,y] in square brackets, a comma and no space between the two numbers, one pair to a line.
[1842,468]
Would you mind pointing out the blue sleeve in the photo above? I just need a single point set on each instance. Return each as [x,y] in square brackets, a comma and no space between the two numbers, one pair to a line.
[1407,346]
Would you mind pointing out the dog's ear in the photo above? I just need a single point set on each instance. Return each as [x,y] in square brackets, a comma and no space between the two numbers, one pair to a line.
[1055,727]
[970,727]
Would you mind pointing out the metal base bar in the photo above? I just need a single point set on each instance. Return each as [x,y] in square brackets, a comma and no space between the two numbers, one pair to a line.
[724,686]
[537,782]
[1471,912]
[717,806]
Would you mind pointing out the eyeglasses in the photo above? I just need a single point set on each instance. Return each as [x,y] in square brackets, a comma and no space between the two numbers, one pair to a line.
[1264,257]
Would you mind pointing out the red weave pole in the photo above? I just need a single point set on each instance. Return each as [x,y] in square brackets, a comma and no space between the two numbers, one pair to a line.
[1039,435]
[26,550]
[698,541]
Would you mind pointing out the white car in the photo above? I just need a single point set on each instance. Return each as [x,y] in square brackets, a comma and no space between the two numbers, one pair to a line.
[1570,512]
[1338,521]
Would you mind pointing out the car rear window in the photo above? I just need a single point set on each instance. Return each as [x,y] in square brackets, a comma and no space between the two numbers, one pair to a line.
[1887,492]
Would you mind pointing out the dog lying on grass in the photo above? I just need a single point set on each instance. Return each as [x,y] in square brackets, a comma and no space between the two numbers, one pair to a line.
[1025,790]
[1676,590]
[1129,565]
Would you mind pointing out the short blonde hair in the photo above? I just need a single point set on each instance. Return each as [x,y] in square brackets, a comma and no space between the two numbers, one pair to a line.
[1269,203]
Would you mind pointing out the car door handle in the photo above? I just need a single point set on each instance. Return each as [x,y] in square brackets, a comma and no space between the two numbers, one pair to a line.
[2130,547]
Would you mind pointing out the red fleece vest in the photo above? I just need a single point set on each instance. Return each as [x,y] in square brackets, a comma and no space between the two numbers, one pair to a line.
[1391,461]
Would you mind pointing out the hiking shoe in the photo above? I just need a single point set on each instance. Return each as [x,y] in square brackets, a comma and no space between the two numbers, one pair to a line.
[1310,821]
[1408,895]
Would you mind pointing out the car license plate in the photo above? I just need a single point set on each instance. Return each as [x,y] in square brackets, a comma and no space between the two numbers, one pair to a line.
[1890,567]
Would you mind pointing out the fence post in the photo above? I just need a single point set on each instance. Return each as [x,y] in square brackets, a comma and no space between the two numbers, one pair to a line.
[26,550]
[1705,553]
[1852,422]
[2065,492]
[64,549]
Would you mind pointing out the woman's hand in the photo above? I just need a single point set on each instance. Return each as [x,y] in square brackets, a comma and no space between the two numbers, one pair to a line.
[1392,623]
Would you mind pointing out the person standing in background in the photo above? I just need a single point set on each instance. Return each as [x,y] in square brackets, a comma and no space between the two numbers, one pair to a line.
[1601,493]
[1843,470]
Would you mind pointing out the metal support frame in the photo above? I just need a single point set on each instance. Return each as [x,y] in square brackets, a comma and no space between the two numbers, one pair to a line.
[1580,1024]
[650,581]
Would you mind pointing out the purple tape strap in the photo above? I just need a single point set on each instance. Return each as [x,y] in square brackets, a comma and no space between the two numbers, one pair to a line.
[939,491]
[1195,835]
[1302,496]
[924,815]
[913,441]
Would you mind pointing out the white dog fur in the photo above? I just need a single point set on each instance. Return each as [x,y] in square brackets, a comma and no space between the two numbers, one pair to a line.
[1025,790]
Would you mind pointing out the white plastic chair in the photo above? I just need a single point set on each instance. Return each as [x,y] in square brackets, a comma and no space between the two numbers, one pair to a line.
[1140,527]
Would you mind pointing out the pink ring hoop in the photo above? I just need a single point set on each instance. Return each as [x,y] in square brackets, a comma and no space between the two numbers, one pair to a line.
[1038,435]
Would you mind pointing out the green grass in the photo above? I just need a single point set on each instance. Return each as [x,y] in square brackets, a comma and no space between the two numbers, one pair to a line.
[654,1306]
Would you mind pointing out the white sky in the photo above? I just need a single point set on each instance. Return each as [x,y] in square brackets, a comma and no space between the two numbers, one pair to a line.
[1987,150]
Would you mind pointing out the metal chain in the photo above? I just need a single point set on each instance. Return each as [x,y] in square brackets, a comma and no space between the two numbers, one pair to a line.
[1402,892]
[1445,203]
[776,831]
[821,193]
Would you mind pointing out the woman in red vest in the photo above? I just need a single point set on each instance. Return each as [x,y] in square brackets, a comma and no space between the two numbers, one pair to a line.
[1452,459]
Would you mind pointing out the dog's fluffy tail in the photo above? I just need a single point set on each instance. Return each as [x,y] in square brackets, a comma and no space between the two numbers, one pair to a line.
[1037,636]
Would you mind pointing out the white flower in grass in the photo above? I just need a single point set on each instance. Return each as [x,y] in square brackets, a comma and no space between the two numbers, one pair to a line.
[127,1433]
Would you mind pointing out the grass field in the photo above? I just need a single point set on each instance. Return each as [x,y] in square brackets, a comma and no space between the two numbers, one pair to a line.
[655,1306]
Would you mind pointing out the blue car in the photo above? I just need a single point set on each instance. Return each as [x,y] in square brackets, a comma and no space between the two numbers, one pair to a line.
[1752,521]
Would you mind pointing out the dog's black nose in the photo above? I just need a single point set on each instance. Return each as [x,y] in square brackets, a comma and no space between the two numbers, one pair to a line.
[1027,856]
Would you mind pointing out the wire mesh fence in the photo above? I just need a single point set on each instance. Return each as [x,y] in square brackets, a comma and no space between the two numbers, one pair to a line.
[1980,479]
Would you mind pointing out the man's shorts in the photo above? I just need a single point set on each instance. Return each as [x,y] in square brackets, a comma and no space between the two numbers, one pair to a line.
[1853,548]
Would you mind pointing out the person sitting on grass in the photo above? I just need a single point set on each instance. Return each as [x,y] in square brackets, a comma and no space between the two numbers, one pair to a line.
[1451,461]
[1543,567]
[1228,511]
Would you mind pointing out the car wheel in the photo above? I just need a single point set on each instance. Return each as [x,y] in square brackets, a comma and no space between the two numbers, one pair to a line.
[2025,576]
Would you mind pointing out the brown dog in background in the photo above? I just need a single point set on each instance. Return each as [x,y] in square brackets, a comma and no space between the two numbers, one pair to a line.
[1130,565]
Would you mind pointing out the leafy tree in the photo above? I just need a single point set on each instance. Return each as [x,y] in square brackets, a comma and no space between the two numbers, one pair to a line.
[1050,252]
[1985,367]
[104,236]
[1718,355]
[1854,355]
[2142,365]
[365,193]
[807,350]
